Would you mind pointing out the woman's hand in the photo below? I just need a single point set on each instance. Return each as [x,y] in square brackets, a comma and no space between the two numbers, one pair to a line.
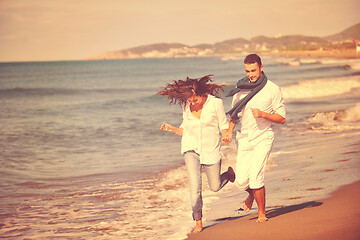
[169,128]
[166,127]
[226,136]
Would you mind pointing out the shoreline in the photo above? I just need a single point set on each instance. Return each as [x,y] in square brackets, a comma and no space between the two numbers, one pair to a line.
[332,219]
[344,54]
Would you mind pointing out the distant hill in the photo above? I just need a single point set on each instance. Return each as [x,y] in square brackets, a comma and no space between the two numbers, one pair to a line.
[236,46]
[346,35]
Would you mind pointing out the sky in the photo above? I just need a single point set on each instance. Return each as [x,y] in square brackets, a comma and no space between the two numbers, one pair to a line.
[53,30]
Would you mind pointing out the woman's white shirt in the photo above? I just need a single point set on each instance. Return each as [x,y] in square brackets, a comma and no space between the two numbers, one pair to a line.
[203,135]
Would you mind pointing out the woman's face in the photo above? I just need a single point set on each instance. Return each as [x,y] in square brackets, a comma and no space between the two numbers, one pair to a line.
[195,99]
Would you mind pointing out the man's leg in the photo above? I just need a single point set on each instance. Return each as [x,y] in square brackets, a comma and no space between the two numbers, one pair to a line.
[247,205]
[243,163]
[259,195]
[261,154]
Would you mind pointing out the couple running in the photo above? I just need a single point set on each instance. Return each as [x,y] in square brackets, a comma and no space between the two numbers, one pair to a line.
[258,102]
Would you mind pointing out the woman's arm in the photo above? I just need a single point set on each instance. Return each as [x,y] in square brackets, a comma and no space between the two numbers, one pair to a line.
[169,128]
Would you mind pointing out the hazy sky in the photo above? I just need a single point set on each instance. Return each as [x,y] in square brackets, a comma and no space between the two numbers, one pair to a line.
[75,29]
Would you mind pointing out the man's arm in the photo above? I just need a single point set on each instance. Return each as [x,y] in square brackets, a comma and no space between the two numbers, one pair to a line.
[272,117]
[232,125]
[227,135]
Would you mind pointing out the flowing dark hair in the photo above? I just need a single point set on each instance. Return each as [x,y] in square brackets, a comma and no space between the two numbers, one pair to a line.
[180,90]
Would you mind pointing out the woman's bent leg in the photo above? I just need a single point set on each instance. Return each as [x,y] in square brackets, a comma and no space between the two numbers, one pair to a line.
[216,181]
[193,166]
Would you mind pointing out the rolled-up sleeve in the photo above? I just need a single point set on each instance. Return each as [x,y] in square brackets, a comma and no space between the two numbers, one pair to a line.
[279,104]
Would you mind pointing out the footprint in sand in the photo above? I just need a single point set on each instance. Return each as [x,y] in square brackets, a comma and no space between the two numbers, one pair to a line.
[314,189]
[352,152]
[293,198]
[344,160]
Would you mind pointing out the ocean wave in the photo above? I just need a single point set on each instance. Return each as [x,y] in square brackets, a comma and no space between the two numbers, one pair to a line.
[30,92]
[353,64]
[336,121]
[351,114]
[232,58]
[297,61]
[163,202]
[321,88]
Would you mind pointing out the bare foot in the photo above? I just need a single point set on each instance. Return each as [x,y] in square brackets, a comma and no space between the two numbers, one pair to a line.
[231,174]
[247,204]
[262,219]
[198,227]
[245,208]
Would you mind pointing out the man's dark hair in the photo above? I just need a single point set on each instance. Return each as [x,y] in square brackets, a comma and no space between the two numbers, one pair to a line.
[253,58]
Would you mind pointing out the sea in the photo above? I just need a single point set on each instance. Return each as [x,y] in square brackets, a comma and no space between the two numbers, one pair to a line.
[82,155]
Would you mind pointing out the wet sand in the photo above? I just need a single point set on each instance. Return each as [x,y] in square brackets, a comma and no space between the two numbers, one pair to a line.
[333,218]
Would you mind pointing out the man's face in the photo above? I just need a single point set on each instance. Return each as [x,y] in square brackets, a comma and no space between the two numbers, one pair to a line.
[253,71]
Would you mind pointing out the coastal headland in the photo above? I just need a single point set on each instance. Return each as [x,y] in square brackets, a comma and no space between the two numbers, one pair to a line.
[345,44]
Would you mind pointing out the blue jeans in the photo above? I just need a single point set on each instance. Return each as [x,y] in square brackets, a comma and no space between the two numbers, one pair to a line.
[215,180]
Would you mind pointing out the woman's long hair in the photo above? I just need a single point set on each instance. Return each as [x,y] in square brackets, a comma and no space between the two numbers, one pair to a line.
[180,90]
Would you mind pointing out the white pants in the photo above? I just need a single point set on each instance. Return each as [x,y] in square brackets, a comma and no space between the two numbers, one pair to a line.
[251,160]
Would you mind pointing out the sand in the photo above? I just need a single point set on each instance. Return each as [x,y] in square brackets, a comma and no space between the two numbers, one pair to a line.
[334,218]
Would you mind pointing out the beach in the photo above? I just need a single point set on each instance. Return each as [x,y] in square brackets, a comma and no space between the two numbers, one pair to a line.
[83,156]
[333,218]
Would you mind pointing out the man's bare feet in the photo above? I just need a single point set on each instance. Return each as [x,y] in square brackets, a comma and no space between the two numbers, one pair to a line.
[262,219]
[198,227]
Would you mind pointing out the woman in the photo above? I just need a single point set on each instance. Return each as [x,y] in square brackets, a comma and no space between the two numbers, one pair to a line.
[203,116]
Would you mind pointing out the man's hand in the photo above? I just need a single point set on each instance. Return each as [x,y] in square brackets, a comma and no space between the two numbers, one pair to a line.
[226,136]
[257,113]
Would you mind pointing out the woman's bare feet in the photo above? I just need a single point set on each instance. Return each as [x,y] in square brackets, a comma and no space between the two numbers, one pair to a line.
[198,227]
[247,204]
[231,174]
[245,208]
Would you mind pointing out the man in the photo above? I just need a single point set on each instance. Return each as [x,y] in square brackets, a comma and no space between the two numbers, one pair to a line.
[259,103]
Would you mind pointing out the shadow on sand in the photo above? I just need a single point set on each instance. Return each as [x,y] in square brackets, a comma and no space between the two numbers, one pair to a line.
[272,213]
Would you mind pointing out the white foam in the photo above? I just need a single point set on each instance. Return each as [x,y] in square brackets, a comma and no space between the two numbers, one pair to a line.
[294,62]
[355,65]
[321,87]
[337,121]
[352,63]
[308,60]
[289,61]
[232,58]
